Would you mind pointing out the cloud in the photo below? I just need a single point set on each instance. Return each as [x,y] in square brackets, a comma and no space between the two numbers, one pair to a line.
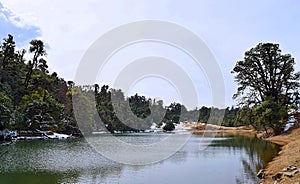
[229,28]
[11,24]
[3,17]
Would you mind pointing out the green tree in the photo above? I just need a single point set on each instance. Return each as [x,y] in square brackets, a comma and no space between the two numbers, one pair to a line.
[37,48]
[6,111]
[173,112]
[83,110]
[157,111]
[169,126]
[7,50]
[204,114]
[40,110]
[266,74]
[268,116]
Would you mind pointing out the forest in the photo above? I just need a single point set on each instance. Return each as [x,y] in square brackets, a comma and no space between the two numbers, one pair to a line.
[32,98]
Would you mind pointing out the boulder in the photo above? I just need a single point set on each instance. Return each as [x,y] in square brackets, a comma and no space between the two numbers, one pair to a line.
[260,174]
[277,176]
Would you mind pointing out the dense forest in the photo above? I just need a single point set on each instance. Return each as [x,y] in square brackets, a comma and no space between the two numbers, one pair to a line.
[33,98]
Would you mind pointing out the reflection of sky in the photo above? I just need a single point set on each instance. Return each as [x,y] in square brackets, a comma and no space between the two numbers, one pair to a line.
[229,28]
[74,161]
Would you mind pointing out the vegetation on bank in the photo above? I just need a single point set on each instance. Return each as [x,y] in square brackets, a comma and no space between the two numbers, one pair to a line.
[267,87]
[33,98]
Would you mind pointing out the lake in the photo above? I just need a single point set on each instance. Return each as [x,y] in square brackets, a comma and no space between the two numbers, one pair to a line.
[226,159]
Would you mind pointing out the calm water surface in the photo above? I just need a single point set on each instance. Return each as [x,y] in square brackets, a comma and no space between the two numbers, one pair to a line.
[234,159]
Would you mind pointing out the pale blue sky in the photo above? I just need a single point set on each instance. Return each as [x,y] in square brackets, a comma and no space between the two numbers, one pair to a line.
[229,28]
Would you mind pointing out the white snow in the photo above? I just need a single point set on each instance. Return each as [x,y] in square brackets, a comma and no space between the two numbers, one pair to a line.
[288,126]
[58,136]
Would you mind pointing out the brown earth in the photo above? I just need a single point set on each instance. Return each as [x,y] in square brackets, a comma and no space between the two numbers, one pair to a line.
[288,156]
[200,129]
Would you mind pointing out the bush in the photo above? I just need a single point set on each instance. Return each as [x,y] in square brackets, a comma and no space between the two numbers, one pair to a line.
[169,126]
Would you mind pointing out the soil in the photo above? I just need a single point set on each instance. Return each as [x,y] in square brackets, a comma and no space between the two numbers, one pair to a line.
[288,156]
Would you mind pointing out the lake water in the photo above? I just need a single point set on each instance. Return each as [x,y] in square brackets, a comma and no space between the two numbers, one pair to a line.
[227,159]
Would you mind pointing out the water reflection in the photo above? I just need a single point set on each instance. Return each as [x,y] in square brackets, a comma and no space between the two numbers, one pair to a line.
[233,159]
[258,154]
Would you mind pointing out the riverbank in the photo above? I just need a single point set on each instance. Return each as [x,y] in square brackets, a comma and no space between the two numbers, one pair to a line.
[284,168]
[200,129]
[9,137]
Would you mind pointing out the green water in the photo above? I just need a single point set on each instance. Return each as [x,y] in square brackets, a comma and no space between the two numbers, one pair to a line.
[225,160]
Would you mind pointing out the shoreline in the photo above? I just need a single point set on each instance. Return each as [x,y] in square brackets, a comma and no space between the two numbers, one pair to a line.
[277,171]
[284,167]
[199,129]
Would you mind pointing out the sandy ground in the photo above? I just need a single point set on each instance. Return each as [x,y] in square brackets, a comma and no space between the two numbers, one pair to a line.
[288,156]
[206,129]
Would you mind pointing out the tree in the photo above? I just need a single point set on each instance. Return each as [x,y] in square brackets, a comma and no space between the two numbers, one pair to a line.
[157,111]
[204,114]
[83,110]
[8,50]
[265,74]
[40,110]
[30,98]
[268,115]
[38,49]
[173,113]
[169,126]
[5,111]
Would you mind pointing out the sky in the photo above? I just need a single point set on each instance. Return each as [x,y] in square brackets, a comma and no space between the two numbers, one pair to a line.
[228,28]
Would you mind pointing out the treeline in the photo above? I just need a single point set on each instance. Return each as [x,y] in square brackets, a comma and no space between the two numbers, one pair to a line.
[32,98]
[136,113]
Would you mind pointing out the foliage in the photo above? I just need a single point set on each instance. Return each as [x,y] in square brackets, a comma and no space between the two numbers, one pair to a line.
[169,126]
[32,98]
[266,75]
[230,117]
[29,95]
[5,111]
[268,116]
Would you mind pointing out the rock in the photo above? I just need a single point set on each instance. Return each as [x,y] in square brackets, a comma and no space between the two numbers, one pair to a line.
[260,174]
[291,174]
[277,176]
[296,171]
[289,168]
[292,167]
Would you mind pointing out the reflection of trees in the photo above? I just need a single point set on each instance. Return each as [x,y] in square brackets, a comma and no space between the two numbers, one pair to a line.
[71,161]
[103,174]
[259,153]
[37,177]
